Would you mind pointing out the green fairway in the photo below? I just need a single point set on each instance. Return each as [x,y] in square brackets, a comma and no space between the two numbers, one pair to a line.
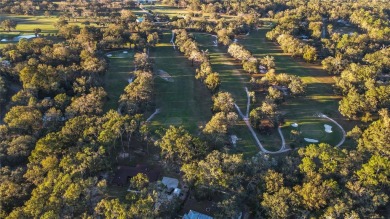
[26,23]
[116,78]
[171,11]
[234,82]
[185,101]
[232,79]
[319,96]
[314,129]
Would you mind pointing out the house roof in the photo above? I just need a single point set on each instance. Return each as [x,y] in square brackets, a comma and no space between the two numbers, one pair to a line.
[196,215]
[170,182]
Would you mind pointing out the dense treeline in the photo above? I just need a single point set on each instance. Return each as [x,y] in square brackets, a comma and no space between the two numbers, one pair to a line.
[224,117]
[190,49]
[138,95]
[277,87]
[68,8]
[361,80]
[56,139]
[249,63]
[261,7]
[59,82]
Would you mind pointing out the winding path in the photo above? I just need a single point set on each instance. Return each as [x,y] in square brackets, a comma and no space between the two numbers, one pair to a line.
[282,138]
[246,120]
[151,116]
[248,102]
[173,43]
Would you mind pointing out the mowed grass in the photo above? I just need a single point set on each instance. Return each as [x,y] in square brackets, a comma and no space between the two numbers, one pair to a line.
[26,25]
[185,101]
[319,96]
[234,81]
[314,129]
[116,77]
[171,11]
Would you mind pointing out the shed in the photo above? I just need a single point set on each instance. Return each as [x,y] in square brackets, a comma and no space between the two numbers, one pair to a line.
[196,215]
[170,183]
[140,19]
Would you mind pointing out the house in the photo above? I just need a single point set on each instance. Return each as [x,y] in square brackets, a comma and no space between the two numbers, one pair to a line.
[196,215]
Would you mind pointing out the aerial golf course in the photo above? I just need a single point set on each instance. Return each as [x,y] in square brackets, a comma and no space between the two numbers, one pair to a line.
[184,101]
[194,109]
[319,96]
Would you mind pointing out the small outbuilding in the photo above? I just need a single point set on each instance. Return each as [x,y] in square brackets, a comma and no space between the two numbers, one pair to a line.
[196,215]
[170,183]
[140,20]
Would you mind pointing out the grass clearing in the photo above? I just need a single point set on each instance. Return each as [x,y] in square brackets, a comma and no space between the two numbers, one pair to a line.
[184,101]
[117,75]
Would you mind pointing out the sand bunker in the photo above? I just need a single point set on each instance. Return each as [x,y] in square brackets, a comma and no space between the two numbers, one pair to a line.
[109,55]
[311,140]
[165,76]
[294,125]
[125,52]
[328,128]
